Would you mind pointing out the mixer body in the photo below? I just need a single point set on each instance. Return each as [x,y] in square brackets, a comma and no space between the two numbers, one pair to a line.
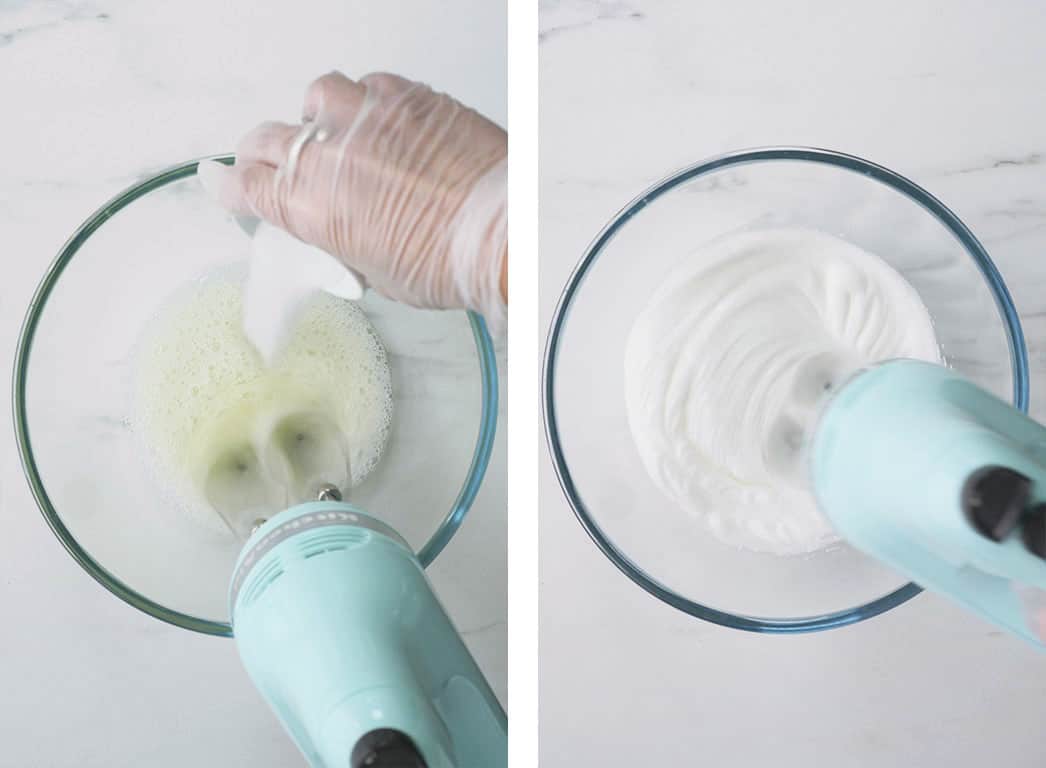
[341,632]
[922,469]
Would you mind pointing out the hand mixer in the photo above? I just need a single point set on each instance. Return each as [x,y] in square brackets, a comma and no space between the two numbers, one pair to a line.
[331,611]
[334,618]
[342,634]
[920,468]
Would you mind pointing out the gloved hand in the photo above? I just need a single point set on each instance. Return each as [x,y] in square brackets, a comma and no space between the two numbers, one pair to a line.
[404,185]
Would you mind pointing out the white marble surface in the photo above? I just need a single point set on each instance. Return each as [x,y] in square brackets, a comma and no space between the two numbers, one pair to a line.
[949,94]
[96,94]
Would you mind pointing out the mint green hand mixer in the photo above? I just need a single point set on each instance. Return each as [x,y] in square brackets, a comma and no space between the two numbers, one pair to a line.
[332,612]
[918,467]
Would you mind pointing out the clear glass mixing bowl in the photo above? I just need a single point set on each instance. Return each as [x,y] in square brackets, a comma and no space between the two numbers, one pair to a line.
[659,546]
[73,383]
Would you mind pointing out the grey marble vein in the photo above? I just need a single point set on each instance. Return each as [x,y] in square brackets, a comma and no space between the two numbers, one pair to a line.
[558,17]
[1030,159]
[66,13]
[483,628]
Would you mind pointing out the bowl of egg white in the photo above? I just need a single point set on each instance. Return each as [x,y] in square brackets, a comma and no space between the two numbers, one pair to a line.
[147,419]
[694,342]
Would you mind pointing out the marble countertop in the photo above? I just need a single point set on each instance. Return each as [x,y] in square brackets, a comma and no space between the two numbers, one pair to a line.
[949,94]
[98,93]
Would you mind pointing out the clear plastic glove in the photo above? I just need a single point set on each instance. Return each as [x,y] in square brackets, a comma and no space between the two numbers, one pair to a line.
[406,186]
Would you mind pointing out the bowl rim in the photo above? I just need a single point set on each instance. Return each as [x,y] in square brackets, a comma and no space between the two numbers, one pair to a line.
[842,160]
[426,555]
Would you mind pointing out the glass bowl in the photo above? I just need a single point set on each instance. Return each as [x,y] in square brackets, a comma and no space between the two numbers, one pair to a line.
[653,542]
[73,382]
